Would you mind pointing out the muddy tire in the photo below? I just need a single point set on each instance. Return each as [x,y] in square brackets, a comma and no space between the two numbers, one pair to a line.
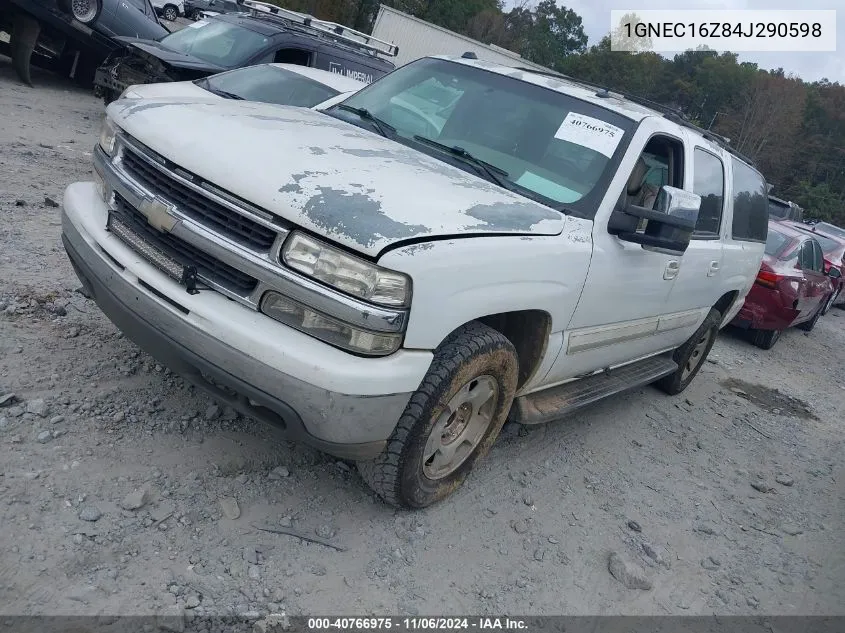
[765,339]
[691,355]
[450,422]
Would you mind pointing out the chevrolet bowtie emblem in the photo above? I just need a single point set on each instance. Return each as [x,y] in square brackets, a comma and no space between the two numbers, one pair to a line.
[158,214]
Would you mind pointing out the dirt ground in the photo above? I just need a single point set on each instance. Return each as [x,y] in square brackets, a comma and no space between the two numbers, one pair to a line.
[727,499]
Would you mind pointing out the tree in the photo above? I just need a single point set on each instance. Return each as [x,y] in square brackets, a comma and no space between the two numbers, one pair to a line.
[548,34]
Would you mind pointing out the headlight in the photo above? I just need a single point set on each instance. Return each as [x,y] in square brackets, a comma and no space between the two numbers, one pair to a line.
[107,136]
[349,274]
[327,328]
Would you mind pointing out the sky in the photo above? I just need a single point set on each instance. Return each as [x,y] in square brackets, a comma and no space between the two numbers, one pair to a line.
[809,66]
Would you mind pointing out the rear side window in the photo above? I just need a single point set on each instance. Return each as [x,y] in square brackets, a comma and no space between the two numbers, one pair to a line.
[775,243]
[709,183]
[751,214]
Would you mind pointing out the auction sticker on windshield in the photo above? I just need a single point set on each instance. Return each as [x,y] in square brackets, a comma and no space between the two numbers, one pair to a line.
[586,131]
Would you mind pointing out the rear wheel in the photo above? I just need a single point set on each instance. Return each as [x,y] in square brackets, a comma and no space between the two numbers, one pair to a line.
[690,356]
[196,14]
[170,13]
[451,420]
[765,339]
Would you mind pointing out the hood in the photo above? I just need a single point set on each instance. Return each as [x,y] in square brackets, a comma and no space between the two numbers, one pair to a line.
[356,188]
[167,56]
[187,90]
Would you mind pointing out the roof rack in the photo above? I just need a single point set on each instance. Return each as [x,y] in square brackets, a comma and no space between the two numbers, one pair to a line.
[336,31]
[675,115]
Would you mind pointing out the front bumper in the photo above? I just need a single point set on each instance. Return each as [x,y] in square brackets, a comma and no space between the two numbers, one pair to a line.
[338,403]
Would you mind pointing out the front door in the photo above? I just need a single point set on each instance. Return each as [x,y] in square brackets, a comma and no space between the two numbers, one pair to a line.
[619,314]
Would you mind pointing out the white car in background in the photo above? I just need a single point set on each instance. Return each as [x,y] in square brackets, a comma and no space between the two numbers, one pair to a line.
[169,9]
[282,84]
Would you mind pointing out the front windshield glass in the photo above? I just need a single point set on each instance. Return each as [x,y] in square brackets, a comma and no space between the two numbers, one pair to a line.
[553,147]
[269,84]
[216,42]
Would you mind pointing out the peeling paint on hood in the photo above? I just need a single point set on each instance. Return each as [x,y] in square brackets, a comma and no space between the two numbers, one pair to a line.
[353,186]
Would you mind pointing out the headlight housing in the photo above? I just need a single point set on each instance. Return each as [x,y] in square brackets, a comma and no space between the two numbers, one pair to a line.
[327,328]
[346,273]
[108,134]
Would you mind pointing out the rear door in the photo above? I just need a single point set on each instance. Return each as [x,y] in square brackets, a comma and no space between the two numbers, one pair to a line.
[815,282]
[337,61]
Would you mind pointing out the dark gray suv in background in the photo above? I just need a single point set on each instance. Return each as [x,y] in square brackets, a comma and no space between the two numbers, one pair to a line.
[71,36]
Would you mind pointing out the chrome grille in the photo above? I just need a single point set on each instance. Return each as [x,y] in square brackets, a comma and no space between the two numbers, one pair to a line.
[207,212]
[208,267]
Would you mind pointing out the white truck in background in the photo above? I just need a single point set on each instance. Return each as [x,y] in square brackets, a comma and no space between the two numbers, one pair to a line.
[417,38]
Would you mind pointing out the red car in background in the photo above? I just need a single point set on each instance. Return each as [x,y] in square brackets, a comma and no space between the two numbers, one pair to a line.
[791,288]
[833,248]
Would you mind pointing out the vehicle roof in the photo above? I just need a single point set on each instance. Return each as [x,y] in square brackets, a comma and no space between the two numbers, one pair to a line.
[339,82]
[790,229]
[614,101]
[269,27]
[807,230]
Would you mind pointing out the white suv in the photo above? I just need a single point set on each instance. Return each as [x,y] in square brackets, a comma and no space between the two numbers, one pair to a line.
[388,280]
[169,9]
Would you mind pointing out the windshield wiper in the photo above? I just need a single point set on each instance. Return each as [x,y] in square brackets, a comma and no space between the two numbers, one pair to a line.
[365,114]
[224,94]
[205,84]
[496,174]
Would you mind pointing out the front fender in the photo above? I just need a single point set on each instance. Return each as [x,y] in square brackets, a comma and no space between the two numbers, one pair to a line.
[458,280]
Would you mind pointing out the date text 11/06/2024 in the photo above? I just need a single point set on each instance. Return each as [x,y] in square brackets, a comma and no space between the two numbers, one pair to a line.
[418,624]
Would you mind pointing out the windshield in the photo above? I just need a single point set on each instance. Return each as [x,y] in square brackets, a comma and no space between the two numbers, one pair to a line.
[544,144]
[775,242]
[830,229]
[216,42]
[269,84]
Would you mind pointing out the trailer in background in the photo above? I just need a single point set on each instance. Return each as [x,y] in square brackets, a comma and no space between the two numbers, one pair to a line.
[417,38]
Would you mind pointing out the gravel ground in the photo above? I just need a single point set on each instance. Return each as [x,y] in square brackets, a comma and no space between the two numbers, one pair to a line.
[125,491]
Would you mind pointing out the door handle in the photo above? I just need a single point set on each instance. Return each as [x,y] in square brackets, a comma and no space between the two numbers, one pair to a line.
[672,269]
[714,268]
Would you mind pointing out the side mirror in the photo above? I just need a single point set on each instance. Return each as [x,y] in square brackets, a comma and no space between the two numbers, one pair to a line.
[834,273]
[669,225]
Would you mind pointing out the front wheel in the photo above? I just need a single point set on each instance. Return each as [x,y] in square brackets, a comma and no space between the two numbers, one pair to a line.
[451,420]
[831,301]
[196,14]
[690,356]
[808,326]
[85,11]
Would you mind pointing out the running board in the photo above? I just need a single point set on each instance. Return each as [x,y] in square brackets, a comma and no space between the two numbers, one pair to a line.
[553,403]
